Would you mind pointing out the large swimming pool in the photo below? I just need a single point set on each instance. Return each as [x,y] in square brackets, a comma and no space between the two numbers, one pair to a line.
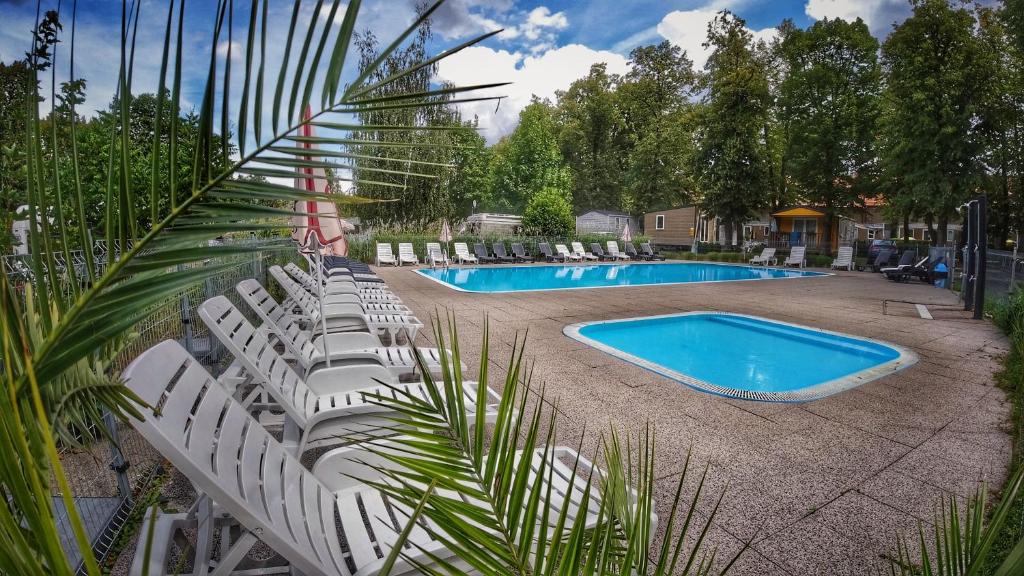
[745,356]
[562,277]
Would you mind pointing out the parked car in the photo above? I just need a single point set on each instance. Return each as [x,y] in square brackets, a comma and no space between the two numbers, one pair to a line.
[879,245]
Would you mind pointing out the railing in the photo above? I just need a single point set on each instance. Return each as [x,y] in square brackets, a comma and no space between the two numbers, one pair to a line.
[783,240]
[107,478]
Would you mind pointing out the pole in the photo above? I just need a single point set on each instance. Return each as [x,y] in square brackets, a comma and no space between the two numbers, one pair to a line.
[315,241]
[982,258]
[970,256]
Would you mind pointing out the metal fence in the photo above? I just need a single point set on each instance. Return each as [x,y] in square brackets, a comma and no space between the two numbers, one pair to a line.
[106,478]
[1004,272]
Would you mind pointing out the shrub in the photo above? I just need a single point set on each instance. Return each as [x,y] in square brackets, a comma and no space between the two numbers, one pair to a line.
[549,213]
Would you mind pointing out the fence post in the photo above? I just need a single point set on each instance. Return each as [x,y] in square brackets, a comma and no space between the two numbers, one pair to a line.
[982,258]
[117,462]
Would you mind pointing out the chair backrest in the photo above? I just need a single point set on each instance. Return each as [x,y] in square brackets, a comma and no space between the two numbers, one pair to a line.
[907,258]
[646,247]
[578,248]
[630,249]
[252,349]
[768,253]
[545,249]
[845,254]
[596,249]
[613,247]
[480,250]
[384,249]
[499,249]
[406,249]
[797,252]
[518,249]
[461,249]
[883,256]
[230,457]
[561,249]
[433,246]
[277,319]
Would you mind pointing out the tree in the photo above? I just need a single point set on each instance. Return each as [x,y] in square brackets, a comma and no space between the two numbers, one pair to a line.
[528,160]
[937,77]
[731,157]
[590,136]
[829,104]
[654,97]
[469,178]
[549,213]
[15,89]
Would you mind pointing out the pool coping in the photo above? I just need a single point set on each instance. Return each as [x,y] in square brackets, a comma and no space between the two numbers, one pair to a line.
[905,359]
[805,274]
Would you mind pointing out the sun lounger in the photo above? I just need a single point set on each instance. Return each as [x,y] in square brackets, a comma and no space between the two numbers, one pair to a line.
[882,260]
[545,250]
[650,252]
[406,255]
[338,289]
[596,250]
[307,346]
[385,255]
[904,272]
[481,253]
[341,282]
[435,255]
[566,255]
[767,255]
[577,249]
[499,252]
[630,250]
[462,255]
[613,251]
[254,489]
[520,253]
[796,257]
[320,407]
[844,258]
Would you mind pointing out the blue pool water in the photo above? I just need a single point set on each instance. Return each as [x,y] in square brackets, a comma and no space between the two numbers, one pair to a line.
[560,277]
[745,357]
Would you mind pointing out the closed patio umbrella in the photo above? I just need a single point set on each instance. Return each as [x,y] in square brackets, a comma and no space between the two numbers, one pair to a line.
[626,235]
[446,236]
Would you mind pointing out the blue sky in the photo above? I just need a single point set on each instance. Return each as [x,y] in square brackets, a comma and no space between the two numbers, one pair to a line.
[547,43]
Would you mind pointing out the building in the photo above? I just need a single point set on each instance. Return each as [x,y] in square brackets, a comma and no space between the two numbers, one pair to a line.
[805,226]
[485,223]
[679,227]
[604,222]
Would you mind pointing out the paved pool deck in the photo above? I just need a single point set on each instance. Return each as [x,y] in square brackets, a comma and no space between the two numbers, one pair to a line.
[825,485]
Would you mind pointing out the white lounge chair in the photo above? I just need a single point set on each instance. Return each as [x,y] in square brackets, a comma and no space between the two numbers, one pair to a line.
[577,248]
[376,293]
[253,489]
[435,255]
[307,346]
[339,281]
[347,316]
[844,258]
[406,255]
[385,255]
[462,255]
[613,251]
[796,257]
[767,256]
[562,251]
[327,404]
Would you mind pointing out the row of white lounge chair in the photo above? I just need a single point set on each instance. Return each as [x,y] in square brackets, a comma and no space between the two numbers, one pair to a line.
[797,257]
[324,520]
[435,255]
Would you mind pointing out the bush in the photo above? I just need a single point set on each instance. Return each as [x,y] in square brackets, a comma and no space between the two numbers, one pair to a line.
[549,213]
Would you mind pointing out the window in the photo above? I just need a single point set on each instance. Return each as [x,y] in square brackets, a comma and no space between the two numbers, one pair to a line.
[659,222]
[748,232]
[767,231]
[871,233]
[950,235]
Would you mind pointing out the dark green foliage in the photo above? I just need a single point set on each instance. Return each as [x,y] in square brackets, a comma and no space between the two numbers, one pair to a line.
[549,213]
[527,161]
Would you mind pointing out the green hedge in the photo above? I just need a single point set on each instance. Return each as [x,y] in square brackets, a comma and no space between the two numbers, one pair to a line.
[365,248]
[815,260]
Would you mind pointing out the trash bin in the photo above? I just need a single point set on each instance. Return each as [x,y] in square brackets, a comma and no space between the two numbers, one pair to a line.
[941,275]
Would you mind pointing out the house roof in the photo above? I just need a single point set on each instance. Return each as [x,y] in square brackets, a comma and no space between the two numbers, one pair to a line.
[799,211]
[605,213]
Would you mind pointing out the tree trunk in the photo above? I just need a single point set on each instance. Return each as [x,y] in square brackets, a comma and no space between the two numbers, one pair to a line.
[929,221]
[727,226]
[826,237]
[906,225]
[943,227]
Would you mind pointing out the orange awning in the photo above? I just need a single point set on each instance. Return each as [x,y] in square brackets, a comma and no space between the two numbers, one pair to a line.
[799,212]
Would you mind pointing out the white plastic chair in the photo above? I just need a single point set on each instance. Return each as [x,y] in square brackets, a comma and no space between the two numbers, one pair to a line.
[435,255]
[578,250]
[406,255]
[462,254]
[253,489]
[767,255]
[613,251]
[561,250]
[844,258]
[796,257]
[307,346]
[385,255]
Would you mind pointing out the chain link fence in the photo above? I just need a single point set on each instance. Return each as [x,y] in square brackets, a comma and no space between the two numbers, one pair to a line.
[113,466]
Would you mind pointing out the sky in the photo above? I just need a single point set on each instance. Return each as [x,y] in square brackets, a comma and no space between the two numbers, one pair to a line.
[545,46]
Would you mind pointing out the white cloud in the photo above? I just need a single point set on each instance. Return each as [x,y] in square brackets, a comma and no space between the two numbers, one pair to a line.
[877,14]
[688,29]
[541,75]
[541,20]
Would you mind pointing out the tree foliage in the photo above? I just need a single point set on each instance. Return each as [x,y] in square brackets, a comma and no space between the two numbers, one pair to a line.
[549,213]
[527,161]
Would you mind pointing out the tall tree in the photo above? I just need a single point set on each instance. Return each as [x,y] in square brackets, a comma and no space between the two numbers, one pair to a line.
[590,136]
[528,160]
[16,87]
[829,104]
[731,156]
[654,97]
[937,78]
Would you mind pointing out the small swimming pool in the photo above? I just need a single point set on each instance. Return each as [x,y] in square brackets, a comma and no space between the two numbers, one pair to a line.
[745,356]
[563,277]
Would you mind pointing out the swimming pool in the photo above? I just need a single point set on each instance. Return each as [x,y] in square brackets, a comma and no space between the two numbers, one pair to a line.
[563,277]
[745,356]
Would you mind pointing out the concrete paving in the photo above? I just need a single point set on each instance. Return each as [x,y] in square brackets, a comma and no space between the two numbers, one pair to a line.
[821,487]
